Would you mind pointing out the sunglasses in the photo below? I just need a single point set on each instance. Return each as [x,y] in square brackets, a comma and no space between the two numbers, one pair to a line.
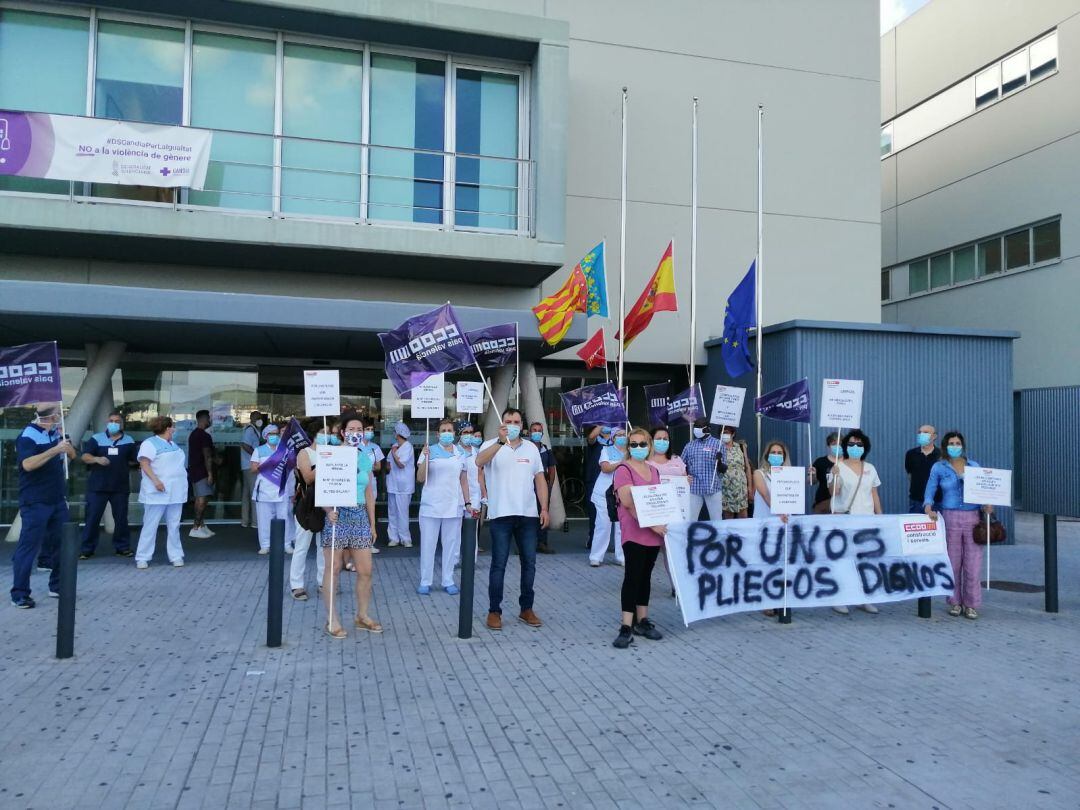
[639,444]
[854,444]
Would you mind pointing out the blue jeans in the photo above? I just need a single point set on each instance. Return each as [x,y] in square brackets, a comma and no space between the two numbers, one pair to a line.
[41,524]
[524,530]
[95,509]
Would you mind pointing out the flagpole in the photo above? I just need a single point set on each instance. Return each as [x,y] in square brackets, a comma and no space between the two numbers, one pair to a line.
[693,239]
[622,246]
[759,271]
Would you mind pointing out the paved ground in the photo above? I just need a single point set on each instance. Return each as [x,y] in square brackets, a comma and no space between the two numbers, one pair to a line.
[172,701]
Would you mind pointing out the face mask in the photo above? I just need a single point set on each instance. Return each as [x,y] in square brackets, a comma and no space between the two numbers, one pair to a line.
[639,453]
[322,438]
[700,433]
[604,442]
[335,441]
[620,441]
[923,439]
[369,435]
[605,432]
[273,440]
[352,439]
[954,451]
[446,438]
[661,445]
[834,450]
[726,438]
[776,459]
[258,423]
[513,432]
[855,452]
[536,437]
[112,428]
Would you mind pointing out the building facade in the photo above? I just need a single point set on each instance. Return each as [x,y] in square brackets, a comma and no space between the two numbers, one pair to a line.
[371,160]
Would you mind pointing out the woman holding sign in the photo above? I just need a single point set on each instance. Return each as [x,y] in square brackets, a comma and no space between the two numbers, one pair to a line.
[947,485]
[854,486]
[776,455]
[441,469]
[640,545]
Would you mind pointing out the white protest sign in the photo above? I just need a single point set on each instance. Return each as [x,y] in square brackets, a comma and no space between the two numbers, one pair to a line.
[987,485]
[921,535]
[681,485]
[655,505]
[733,566]
[841,403]
[428,401]
[727,405]
[787,490]
[335,476]
[322,392]
[470,397]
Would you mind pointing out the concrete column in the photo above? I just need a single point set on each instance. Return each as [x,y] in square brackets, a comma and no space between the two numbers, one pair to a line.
[500,389]
[100,416]
[533,407]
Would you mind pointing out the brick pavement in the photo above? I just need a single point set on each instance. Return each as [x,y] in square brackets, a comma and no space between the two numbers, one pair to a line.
[173,701]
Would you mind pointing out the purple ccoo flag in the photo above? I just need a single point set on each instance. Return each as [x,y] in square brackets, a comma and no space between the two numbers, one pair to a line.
[594,405]
[425,344]
[494,346]
[788,404]
[686,406]
[29,374]
[279,465]
[657,398]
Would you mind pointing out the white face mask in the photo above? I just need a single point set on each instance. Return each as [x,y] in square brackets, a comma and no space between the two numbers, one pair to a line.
[699,433]
[726,437]
[258,423]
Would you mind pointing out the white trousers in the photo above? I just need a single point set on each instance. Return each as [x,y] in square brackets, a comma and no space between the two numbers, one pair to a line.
[153,513]
[298,567]
[431,529]
[397,512]
[601,537]
[265,511]
[714,504]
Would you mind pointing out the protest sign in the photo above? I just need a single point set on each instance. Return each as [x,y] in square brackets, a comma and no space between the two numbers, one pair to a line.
[29,374]
[470,397]
[594,405]
[987,485]
[656,505]
[727,405]
[335,476]
[732,566]
[841,403]
[921,535]
[787,490]
[428,401]
[322,392]
[681,485]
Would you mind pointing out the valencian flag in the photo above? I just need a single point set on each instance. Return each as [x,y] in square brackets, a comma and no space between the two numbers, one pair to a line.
[788,404]
[658,296]
[494,346]
[592,352]
[739,318]
[29,374]
[425,344]
[592,267]
[656,400]
[556,312]
[279,465]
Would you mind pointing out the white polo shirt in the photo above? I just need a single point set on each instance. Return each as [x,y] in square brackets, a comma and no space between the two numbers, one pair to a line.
[510,479]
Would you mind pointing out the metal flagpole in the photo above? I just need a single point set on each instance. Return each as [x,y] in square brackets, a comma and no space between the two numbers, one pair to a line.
[517,368]
[693,240]
[622,246]
[759,267]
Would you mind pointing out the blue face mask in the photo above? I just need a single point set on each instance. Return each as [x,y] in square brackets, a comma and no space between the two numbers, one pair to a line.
[776,459]
[273,440]
[855,451]
[620,441]
[446,438]
[369,435]
[923,439]
[836,451]
[536,437]
[513,432]
[335,440]
[954,451]
[661,445]
[322,438]
[112,428]
[639,453]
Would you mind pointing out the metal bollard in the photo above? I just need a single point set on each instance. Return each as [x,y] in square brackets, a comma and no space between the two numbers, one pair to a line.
[275,589]
[1050,560]
[65,613]
[783,616]
[924,607]
[468,572]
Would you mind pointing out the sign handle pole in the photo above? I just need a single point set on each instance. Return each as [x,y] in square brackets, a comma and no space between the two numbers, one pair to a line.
[836,467]
[809,447]
[487,387]
[785,612]
[63,435]
[333,581]
[988,551]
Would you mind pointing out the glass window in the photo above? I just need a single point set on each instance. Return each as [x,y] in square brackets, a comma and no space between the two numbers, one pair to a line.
[322,102]
[941,271]
[1014,72]
[1047,241]
[886,139]
[1044,56]
[232,88]
[917,277]
[140,73]
[987,85]
[886,291]
[990,256]
[486,191]
[963,264]
[407,115]
[1018,249]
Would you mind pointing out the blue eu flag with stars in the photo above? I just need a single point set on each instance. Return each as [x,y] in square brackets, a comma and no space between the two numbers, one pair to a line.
[739,318]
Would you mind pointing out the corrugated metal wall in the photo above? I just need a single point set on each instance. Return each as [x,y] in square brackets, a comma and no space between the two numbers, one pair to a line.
[1049,420]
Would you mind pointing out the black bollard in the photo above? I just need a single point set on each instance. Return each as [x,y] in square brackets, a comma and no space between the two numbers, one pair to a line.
[924,607]
[1050,556]
[274,592]
[783,616]
[65,614]
[468,572]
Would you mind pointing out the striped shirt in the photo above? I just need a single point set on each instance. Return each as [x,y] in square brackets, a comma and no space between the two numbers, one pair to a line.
[700,456]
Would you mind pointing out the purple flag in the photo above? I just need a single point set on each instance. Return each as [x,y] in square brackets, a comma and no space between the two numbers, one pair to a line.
[424,345]
[494,346]
[788,404]
[279,465]
[29,373]
[594,405]
[657,398]
[686,406]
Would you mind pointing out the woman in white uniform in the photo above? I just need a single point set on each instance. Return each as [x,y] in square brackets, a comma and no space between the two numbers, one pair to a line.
[610,458]
[400,486]
[441,469]
[271,501]
[163,492]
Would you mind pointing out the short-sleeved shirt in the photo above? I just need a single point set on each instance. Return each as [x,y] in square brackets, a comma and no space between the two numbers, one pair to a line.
[375,453]
[547,458]
[918,465]
[46,484]
[510,478]
[401,480]
[264,489]
[167,461]
[822,467]
[672,466]
[854,497]
[120,451]
[700,456]
[631,531]
[253,437]
[610,455]
[441,496]
[198,441]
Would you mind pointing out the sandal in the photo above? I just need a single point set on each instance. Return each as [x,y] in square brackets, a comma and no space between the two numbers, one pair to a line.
[365,623]
[339,633]
[969,613]
[956,610]
[299,594]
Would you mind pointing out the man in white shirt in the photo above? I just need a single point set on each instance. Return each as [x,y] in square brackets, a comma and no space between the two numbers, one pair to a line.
[514,477]
[251,439]
[400,486]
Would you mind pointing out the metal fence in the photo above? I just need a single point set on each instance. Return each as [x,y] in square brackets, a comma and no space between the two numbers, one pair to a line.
[1048,434]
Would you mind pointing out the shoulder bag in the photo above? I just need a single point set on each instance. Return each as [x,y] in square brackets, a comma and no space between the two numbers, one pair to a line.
[308,515]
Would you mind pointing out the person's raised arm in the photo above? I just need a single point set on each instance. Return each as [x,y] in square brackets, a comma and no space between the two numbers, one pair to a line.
[484,457]
[591,437]
[32,463]
[421,467]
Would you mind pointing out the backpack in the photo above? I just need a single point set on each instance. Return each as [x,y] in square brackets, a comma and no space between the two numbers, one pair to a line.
[613,499]
[308,515]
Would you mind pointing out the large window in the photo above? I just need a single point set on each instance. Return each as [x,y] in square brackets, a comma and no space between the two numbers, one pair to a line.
[487,126]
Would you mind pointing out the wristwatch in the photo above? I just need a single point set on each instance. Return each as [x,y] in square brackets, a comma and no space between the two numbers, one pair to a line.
[500,441]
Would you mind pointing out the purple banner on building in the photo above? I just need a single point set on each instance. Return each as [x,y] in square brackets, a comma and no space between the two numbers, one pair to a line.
[788,404]
[657,398]
[494,346]
[424,345]
[686,406]
[594,405]
[29,374]
[280,464]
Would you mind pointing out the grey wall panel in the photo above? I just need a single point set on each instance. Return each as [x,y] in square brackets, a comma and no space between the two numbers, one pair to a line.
[1049,435]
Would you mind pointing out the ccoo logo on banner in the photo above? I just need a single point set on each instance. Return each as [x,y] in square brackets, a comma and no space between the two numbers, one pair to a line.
[29,374]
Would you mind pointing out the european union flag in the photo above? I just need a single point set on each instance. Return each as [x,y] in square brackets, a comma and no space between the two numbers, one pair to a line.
[739,317]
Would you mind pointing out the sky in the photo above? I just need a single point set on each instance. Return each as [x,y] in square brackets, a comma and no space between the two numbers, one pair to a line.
[895,11]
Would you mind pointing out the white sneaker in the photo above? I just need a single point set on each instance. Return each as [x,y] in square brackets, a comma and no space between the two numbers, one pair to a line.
[200,533]
[407,544]
[206,531]
[393,543]
[177,563]
[141,565]
[288,549]
[264,551]
[374,550]
[841,609]
[872,609]
[594,563]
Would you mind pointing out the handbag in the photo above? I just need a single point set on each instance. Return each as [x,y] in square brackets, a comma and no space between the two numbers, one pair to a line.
[997,532]
[308,515]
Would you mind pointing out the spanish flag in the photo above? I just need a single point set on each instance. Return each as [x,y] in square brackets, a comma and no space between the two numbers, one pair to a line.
[658,296]
[556,312]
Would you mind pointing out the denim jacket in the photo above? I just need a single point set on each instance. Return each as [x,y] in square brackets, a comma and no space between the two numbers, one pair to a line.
[944,478]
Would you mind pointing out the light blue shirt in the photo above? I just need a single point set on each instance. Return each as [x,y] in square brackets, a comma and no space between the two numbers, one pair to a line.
[944,478]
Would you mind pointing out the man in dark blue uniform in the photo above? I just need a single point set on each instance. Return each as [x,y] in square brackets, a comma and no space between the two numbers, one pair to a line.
[109,457]
[42,504]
